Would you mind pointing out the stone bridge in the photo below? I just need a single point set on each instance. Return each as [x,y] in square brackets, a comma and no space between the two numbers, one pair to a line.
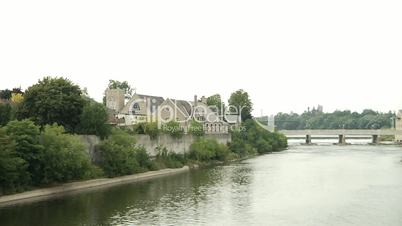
[342,133]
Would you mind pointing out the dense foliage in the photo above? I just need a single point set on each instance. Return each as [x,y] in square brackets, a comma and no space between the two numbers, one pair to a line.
[65,157]
[216,104]
[26,136]
[33,158]
[149,128]
[208,149]
[255,139]
[241,101]
[13,175]
[93,120]
[5,114]
[173,128]
[53,100]
[314,119]
[196,129]
[168,159]
[119,155]
[41,149]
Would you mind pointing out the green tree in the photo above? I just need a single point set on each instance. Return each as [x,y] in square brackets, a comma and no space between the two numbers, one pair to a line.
[65,156]
[5,114]
[254,138]
[368,119]
[26,136]
[216,103]
[13,176]
[93,120]
[208,149]
[149,128]
[5,94]
[118,154]
[242,102]
[53,100]
[114,84]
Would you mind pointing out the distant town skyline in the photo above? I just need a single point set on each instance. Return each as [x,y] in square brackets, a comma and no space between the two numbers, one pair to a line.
[286,58]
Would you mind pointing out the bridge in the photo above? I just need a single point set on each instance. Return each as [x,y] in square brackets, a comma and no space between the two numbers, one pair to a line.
[342,133]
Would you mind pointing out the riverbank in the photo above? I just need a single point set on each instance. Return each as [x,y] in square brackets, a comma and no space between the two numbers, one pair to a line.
[44,193]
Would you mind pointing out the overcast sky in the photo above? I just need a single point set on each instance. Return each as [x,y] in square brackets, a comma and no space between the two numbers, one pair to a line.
[288,55]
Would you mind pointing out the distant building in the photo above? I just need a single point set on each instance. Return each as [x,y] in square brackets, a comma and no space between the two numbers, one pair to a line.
[320,109]
[146,108]
[398,125]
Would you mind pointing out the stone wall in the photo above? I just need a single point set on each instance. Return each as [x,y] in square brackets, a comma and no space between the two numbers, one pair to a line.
[181,145]
[90,141]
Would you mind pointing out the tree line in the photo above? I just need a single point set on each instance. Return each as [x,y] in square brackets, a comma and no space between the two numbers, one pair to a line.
[40,143]
[314,119]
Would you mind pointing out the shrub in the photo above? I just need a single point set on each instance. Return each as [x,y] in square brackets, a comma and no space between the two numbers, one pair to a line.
[5,114]
[13,176]
[26,136]
[256,139]
[119,155]
[208,149]
[168,159]
[64,156]
[143,159]
[174,129]
[196,129]
[149,128]
[93,120]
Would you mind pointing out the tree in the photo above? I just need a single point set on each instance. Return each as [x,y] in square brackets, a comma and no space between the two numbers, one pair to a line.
[368,119]
[216,103]
[5,94]
[118,154]
[241,101]
[93,120]
[5,114]
[114,84]
[26,136]
[255,138]
[65,156]
[17,98]
[53,100]
[12,168]
[208,149]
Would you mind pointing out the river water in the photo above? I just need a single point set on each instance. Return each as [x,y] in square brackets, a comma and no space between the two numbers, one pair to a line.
[305,185]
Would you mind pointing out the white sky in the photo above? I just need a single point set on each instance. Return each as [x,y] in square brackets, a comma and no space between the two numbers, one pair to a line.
[288,55]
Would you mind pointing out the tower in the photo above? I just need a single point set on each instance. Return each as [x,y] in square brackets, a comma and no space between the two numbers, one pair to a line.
[114,99]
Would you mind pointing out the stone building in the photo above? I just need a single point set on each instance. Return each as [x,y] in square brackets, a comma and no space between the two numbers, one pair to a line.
[147,108]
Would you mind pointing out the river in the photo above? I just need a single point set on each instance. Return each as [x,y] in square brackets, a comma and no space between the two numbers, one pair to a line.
[305,185]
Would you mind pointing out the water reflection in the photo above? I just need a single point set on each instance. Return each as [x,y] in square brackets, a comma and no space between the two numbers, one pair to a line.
[315,185]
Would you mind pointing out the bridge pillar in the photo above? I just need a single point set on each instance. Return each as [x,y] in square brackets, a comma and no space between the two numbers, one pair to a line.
[342,139]
[375,139]
[308,139]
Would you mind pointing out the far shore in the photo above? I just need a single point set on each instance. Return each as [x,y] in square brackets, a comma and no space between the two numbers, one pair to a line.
[45,193]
